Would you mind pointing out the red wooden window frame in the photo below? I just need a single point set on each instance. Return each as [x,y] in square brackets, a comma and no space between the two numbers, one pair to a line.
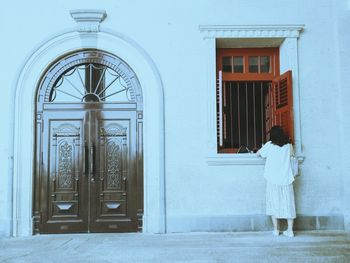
[273,53]
[279,110]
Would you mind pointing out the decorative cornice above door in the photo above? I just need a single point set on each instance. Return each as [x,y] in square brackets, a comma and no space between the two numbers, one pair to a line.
[88,20]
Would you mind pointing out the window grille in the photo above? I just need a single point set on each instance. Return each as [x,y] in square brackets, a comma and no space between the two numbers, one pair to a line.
[244,114]
[90,83]
[90,76]
[251,97]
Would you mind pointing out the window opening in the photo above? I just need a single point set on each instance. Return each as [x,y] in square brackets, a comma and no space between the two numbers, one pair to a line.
[254,64]
[244,114]
[250,98]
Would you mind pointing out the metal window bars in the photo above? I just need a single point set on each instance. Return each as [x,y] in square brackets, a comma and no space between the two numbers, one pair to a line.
[242,114]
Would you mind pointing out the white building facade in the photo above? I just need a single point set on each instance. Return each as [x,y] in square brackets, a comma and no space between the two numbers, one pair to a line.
[173,172]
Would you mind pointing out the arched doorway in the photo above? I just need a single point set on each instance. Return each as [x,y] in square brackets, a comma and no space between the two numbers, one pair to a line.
[89,161]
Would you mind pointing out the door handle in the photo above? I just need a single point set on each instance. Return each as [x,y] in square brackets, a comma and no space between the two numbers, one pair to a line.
[125,185]
[92,163]
[84,160]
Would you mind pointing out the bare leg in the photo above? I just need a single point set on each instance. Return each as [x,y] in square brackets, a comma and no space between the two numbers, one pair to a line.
[275,226]
[275,223]
[290,224]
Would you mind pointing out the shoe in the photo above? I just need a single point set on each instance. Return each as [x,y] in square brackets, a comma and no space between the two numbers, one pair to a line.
[275,232]
[288,233]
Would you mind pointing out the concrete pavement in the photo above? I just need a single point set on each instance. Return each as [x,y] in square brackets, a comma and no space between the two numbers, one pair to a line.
[312,246]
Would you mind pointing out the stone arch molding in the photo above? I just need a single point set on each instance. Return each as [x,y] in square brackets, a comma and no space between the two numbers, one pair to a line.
[24,112]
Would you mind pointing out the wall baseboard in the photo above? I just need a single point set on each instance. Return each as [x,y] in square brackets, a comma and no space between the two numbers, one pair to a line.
[250,223]
[5,227]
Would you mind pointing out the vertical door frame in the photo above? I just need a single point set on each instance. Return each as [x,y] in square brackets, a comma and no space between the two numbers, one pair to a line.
[23,104]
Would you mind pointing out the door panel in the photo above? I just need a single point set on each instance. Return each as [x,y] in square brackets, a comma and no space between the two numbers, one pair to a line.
[89,171]
[114,191]
[62,173]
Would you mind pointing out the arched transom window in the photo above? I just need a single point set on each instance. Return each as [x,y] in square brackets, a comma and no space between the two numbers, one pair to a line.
[90,76]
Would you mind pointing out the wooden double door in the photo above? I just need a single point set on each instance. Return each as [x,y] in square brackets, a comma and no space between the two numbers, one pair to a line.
[88,176]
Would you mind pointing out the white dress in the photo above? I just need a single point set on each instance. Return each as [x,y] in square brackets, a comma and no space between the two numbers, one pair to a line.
[278,174]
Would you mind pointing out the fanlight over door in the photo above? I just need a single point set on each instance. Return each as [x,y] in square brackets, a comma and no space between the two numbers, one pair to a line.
[88,173]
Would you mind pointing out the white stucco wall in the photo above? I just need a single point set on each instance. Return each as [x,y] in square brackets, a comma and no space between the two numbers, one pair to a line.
[168,32]
[343,36]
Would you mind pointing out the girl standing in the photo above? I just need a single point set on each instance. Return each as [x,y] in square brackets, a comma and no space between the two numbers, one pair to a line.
[280,202]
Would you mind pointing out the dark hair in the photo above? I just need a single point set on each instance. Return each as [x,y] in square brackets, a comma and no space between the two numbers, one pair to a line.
[278,136]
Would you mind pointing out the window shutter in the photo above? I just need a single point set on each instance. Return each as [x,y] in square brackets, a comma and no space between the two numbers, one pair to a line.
[269,110]
[283,103]
[219,110]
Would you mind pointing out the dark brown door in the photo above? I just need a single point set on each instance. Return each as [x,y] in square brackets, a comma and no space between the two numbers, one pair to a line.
[89,169]
[113,205]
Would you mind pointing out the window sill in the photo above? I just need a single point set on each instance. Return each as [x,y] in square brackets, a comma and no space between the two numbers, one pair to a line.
[239,159]
[235,159]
